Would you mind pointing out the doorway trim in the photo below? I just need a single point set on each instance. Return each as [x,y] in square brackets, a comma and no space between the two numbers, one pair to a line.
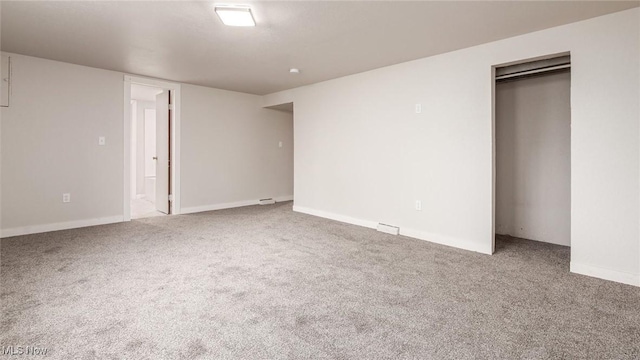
[175,141]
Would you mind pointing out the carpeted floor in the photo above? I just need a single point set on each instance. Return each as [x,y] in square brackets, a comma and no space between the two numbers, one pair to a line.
[263,282]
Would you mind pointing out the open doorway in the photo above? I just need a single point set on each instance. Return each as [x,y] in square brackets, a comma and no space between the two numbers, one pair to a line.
[152,123]
[286,143]
[144,152]
[532,137]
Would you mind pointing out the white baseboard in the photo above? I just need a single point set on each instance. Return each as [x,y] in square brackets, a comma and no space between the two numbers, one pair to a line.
[336,217]
[197,209]
[420,235]
[231,205]
[606,274]
[446,240]
[283,198]
[35,229]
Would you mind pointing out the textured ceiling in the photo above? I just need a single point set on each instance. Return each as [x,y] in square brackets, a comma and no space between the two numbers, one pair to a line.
[184,41]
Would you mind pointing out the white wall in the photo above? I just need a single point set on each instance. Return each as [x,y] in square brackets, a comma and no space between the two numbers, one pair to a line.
[49,146]
[533,158]
[230,152]
[364,156]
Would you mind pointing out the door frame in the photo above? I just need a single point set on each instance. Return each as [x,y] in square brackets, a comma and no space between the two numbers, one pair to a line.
[175,141]
[493,139]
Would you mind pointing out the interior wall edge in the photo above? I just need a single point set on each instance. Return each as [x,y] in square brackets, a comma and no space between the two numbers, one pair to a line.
[277,98]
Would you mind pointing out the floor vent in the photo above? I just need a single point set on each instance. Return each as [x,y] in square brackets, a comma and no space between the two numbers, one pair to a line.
[268,201]
[388,229]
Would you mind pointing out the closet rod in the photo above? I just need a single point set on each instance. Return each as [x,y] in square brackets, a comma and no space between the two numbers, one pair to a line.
[536,71]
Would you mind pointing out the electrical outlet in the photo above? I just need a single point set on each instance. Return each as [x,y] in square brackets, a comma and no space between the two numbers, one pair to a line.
[418,205]
[418,108]
[66,198]
[279,144]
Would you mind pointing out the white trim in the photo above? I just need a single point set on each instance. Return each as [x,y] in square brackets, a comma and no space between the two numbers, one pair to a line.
[35,229]
[447,241]
[336,217]
[231,205]
[606,274]
[283,198]
[197,209]
[177,105]
[420,235]
[493,159]
[126,202]
[175,146]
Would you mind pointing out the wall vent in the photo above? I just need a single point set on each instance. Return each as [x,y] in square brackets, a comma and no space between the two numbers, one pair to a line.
[388,229]
[268,201]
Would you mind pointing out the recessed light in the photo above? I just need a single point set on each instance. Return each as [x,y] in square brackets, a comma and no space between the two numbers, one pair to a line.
[235,15]
[294,71]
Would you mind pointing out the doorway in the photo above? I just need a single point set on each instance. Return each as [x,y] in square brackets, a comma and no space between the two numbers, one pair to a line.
[532,137]
[144,152]
[151,166]
[286,145]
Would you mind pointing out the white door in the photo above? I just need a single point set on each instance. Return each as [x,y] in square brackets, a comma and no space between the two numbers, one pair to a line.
[150,157]
[150,143]
[162,152]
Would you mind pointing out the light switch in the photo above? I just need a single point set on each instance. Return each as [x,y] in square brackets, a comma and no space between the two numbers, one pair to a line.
[102,140]
[279,144]
[418,108]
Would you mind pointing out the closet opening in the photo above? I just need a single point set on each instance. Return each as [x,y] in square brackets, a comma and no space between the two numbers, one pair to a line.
[532,154]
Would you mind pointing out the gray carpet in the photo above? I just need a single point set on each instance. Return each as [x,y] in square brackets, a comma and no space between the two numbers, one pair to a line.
[263,282]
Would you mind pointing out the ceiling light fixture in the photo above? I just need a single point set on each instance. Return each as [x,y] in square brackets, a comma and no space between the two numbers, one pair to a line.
[294,71]
[235,15]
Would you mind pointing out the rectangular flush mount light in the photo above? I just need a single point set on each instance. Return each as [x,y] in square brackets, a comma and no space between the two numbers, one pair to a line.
[235,15]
